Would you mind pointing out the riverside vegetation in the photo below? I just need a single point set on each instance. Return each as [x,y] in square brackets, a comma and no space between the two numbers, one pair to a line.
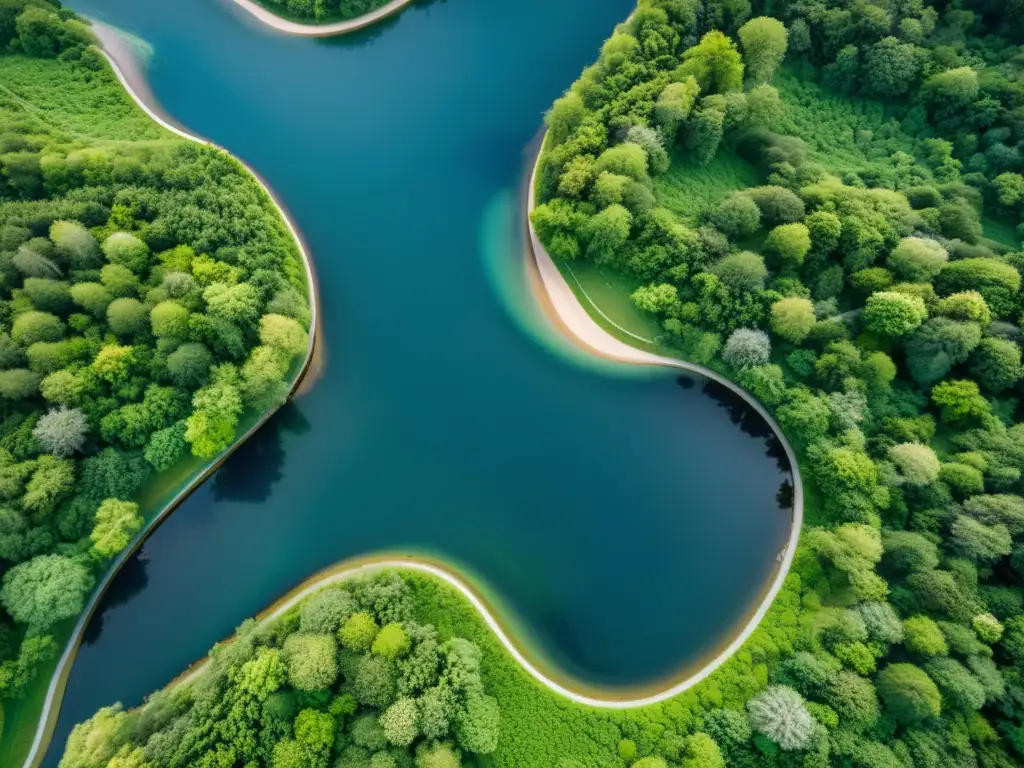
[823,243]
[322,11]
[816,233]
[347,678]
[151,300]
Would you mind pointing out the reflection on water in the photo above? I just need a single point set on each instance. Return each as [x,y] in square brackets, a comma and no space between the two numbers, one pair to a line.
[131,581]
[258,464]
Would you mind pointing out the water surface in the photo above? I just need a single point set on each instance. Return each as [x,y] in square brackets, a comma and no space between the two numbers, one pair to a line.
[630,522]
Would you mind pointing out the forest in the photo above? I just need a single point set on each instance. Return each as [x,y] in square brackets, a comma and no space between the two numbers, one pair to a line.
[348,678]
[866,288]
[323,11]
[151,300]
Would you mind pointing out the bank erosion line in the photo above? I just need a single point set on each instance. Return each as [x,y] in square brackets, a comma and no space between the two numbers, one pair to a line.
[115,50]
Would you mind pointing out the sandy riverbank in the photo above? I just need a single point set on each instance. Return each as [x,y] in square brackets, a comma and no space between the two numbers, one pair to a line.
[571,319]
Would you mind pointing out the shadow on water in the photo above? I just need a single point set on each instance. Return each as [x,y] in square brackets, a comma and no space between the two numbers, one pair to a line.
[753,424]
[131,581]
[258,464]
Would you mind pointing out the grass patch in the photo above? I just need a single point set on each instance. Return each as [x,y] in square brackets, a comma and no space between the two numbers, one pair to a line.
[1001,231]
[688,189]
[610,291]
[840,131]
[87,105]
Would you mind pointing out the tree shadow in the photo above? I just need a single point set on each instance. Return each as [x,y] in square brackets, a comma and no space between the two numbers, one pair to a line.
[130,581]
[253,470]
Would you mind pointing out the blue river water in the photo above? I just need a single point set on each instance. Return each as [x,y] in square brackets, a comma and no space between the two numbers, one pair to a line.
[627,518]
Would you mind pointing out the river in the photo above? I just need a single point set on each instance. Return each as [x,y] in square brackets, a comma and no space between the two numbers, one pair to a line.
[628,520]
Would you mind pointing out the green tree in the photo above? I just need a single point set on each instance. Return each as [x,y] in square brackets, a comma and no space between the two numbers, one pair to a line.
[959,400]
[960,689]
[126,317]
[917,259]
[908,693]
[606,234]
[893,314]
[92,297]
[999,283]
[116,523]
[792,318]
[128,251]
[189,365]
[674,105]
[980,542]
[401,722]
[391,642]
[744,271]
[45,590]
[764,42]
[917,464]
[714,63]
[704,133]
[311,661]
[996,364]
[284,333]
[30,327]
[938,345]
[791,242]
[737,216]
[890,67]
[169,319]
[922,636]
[358,632]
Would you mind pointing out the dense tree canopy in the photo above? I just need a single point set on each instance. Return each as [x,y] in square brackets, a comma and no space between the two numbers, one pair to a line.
[279,696]
[867,288]
[135,275]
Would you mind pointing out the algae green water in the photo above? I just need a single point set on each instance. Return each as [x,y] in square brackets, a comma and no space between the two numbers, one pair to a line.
[628,518]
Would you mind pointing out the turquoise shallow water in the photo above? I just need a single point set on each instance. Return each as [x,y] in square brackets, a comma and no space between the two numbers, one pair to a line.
[628,521]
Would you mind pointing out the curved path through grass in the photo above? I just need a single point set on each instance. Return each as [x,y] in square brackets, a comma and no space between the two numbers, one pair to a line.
[120,60]
[271,19]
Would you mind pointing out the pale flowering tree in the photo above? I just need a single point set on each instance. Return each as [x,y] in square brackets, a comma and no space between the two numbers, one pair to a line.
[779,713]
[62,431]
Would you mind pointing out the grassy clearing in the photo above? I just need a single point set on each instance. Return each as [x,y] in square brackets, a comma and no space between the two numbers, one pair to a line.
[70,99]
[1001,231]
[610,290]
[840,131]
[688,189]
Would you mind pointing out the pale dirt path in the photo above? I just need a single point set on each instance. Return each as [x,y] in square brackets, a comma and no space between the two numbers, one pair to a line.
[271,19]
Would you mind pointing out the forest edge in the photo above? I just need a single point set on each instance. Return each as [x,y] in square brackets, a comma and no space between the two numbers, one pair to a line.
[120,59]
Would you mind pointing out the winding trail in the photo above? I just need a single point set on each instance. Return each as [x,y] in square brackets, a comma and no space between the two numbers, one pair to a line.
[271,19]
[120,59]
